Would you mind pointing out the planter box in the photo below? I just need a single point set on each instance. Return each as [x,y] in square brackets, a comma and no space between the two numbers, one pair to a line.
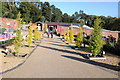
[93,58]
[78,48]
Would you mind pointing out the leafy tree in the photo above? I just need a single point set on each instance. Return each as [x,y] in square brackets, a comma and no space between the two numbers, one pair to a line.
[82,22]
[30,11]
[56,14]
[30,35]
[40,34]
[45,28]
[42,19]
[116,25]
[79,38]
[19,19]
[81,12]
[18,39]
[67,36]
[46,11]
[96,39]
[64,36]
[108,22]
[9,10]
[0,9]
[89,20]
[71,34]
[66,18]
[35,35]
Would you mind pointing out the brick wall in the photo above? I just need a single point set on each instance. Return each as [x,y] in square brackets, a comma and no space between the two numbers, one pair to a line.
[88,32]
[6,22]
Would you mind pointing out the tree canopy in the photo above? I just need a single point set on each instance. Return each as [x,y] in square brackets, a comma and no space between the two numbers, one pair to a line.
[45,12]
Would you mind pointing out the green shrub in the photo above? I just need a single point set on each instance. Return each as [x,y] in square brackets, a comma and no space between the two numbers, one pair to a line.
[71,34]
[110,45]
[35,35]
[67,37]
[18,39]
[96,39]
[30,35]
[79,38]
[112,48]
[45,28]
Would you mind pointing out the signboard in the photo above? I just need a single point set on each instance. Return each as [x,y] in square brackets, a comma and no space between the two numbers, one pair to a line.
[8,23]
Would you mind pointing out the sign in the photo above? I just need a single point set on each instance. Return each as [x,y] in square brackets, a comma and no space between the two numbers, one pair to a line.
[2,23]
[8,23]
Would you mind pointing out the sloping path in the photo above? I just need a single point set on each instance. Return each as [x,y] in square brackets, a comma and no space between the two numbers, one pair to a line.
[51,60]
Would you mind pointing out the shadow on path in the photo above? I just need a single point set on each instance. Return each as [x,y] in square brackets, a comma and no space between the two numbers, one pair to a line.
[59,45]
[108,66]
[52,41]
[66,51]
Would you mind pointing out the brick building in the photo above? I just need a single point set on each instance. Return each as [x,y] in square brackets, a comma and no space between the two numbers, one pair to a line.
[61,28]
[7,27]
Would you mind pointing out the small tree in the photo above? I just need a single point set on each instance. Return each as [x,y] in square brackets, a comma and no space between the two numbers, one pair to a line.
[18,39]
[64,35]
[35,35]
[39,34]
[45,28]
[82,22]
[19,20]
[42,19]
[96,39]
[71,34]
[67,36]
[30,35]
[79,38]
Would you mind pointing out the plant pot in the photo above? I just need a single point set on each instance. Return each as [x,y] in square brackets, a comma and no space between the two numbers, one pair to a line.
[67,42]
[95,58]
[91,57]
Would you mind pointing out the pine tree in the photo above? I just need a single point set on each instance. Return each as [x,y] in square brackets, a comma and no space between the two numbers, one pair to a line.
[96,39]
[64,35]
[67,36]
[19,20]
[82,22]
[35,35]
[30,35]
[79,38]
[39,34]
[71,34]
[18,39]
[45,28]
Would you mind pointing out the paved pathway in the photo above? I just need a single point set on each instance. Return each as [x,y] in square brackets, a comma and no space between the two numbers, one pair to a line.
[54,59]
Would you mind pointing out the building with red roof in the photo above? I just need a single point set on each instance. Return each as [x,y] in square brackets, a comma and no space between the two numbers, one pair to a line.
[7,27]
[6,23]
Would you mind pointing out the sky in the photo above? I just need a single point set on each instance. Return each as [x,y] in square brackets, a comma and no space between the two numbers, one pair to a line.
[91,8]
